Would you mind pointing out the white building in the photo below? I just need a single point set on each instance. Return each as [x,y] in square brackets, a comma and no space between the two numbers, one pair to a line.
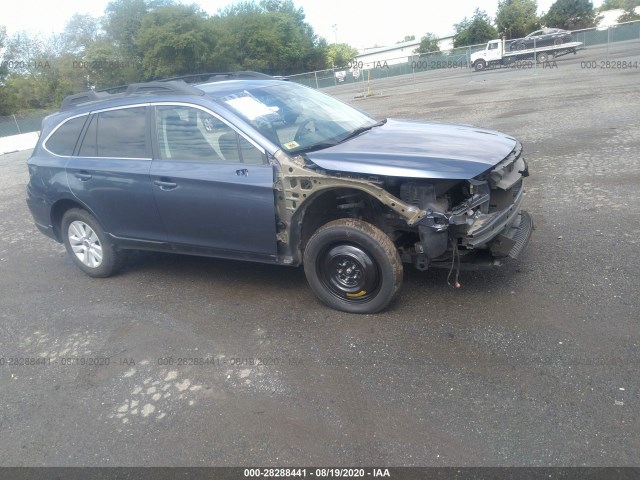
[610,17]
[395,54]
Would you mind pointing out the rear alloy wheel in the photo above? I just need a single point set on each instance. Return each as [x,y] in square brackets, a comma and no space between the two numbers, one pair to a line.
[558,41]
[87,244]
[353,266]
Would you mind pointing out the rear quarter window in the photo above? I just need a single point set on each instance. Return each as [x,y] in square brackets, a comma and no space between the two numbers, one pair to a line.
[64,139]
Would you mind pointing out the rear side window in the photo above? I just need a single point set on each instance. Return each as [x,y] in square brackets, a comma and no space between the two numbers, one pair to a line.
[63,141]
[122,133]
[117,134]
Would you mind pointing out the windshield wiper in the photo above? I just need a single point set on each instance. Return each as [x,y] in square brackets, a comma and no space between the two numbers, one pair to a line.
[342,138]
[360,130]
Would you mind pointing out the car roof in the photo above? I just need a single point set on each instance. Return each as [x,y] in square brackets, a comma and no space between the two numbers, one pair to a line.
[172,88]
[233,85]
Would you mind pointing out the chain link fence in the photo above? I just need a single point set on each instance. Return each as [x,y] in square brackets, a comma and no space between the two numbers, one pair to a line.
[456,58]
[21,123]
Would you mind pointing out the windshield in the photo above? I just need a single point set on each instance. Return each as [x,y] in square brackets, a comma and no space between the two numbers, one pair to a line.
[295,117]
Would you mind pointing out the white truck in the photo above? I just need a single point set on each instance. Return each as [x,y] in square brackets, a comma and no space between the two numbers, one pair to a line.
[497,52]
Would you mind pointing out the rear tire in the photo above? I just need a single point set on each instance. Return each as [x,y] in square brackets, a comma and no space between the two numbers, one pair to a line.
[542,57]
[87,244]
[352,266]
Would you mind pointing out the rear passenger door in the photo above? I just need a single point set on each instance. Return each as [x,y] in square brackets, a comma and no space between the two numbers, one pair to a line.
[110,173]
[213,187]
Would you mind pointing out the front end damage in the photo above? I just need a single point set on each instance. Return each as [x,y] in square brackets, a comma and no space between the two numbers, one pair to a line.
[479,220]
[476,223]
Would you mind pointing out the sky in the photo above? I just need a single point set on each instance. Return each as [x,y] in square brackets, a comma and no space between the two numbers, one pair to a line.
[359,23]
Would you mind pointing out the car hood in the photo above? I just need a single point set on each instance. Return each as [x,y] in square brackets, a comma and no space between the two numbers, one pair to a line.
[403,148]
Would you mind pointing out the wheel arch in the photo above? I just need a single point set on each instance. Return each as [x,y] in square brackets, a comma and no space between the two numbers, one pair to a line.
[324,206]
[59,208]
[298,189]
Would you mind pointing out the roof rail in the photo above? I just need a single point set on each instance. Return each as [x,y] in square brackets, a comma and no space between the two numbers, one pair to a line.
[80,98]
[218,76]
[175,87]
[147,88]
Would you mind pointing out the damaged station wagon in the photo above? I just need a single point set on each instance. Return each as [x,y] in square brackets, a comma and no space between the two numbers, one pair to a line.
[244,166]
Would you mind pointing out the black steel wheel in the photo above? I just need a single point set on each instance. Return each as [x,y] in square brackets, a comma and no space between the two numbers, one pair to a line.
[353,266]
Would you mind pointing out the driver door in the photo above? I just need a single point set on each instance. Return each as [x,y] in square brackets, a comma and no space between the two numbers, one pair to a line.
[213,188]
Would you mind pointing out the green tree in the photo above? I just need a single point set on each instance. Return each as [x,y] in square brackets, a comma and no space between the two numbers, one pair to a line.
[26,52]
[571,15]
[3,42]
[479,29]
[271,37]
[629,14]
[615,4]
[339,54]
[105,66]
[407,38]
[517,18]
[44,76]
[174,40]
[5,108]
[611,5]
[80,33]
[122,22]
[428,44]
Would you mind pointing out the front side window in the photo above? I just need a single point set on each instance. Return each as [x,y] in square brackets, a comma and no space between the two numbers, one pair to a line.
[64,139]
[186,133]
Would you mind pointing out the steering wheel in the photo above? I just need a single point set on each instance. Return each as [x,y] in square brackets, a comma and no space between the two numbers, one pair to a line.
[307,127]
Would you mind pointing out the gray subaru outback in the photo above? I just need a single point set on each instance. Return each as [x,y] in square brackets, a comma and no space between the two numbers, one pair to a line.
[248,167]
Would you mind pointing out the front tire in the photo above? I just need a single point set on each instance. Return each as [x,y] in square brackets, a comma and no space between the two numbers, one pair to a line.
[87,244]
[352,266]
[480,65]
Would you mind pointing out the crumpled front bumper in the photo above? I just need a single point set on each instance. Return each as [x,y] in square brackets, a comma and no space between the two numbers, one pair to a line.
[490,226]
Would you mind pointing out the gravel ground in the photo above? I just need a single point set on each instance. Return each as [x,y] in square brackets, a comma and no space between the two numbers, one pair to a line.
[534,364]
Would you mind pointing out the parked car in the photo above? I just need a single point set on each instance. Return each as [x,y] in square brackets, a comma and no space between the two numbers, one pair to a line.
[248,167]
[542,38]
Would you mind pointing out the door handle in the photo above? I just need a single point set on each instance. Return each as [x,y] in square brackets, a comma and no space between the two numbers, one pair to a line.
[165,185]
[243,172]
[83,176]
